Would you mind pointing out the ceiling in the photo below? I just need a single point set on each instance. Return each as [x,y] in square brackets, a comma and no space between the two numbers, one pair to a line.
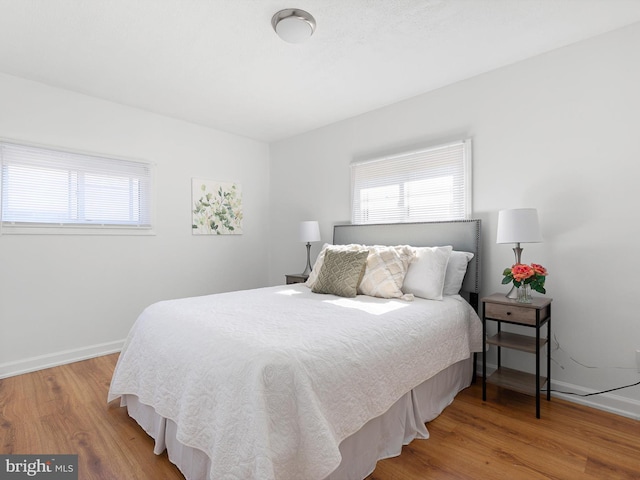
[218,63]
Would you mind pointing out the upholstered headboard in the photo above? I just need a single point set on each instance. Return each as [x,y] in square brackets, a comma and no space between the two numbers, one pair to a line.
[463,235]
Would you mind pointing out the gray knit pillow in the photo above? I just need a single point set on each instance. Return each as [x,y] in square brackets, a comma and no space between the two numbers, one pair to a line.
[341,273]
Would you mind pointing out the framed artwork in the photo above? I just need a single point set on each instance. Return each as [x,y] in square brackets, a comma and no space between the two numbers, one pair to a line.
[216,208]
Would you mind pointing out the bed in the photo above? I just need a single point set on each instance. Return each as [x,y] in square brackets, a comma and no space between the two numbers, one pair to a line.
[288,382]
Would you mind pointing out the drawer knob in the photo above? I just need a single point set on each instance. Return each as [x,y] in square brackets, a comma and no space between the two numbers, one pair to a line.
[508,313]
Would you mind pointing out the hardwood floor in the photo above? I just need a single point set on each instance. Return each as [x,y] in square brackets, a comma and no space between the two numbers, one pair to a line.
[502,439]
[64,410]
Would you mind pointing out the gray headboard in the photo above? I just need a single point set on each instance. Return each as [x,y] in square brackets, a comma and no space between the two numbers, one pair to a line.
[463,235]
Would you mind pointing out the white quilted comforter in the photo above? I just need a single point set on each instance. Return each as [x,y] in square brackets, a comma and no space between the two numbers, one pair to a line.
[268,382]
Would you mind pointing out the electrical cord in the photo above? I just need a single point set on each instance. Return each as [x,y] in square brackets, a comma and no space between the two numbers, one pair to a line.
[558,347]
[593,393]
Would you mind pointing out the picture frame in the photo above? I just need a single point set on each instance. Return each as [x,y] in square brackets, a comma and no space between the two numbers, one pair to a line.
[216,207]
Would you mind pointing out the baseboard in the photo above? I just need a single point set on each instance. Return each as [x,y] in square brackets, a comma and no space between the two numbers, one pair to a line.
[41,362]
[627,407]
[609,402]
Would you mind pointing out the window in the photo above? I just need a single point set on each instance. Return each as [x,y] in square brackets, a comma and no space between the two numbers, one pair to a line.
[426,185]
[44,187]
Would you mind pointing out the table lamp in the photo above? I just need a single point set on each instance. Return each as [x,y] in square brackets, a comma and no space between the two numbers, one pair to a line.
[519,225]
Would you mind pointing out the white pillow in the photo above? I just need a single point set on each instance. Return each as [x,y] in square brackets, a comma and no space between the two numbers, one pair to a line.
[426,273]
[456,269]
[313,276]
[385,272]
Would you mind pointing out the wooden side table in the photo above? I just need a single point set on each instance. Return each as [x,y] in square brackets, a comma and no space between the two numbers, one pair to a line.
[500,309]
[295,278]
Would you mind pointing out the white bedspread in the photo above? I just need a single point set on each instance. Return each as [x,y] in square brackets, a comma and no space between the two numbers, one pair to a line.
[268,382]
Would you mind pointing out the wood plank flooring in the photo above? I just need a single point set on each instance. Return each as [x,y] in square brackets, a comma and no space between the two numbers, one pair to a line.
[64,410]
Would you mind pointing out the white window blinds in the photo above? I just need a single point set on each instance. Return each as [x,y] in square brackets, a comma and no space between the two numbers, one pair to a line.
[426,185]
[48,187]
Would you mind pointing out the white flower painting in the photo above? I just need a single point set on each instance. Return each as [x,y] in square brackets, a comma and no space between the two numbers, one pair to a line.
[216,208]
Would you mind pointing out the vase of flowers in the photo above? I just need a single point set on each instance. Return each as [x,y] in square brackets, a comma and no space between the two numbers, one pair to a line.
[525,278]
[523,293]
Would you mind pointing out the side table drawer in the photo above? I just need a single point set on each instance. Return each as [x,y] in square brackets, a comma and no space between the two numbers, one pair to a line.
[511,313]
[295,278]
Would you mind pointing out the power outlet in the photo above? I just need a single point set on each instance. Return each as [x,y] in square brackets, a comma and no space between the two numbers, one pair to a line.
[638,360]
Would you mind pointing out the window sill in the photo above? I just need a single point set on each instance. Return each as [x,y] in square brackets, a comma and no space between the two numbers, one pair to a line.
[73,230]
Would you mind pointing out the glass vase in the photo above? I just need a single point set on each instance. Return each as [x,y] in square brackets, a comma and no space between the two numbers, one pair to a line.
[524,293]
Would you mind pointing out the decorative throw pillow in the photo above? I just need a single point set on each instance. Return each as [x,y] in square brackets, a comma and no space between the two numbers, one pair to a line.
[426,272]
[313,276]
[456,269]
[341,272]
[385,272]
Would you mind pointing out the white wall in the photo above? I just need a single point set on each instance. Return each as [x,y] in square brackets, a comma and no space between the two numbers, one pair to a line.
[558,132]
[64,297]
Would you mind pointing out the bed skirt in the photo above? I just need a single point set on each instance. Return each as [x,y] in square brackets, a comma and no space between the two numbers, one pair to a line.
[381,437]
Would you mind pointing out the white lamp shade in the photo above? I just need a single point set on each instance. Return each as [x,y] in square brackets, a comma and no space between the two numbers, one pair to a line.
[518,225]
[309,231]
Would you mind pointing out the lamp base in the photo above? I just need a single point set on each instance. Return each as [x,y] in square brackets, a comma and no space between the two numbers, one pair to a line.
[307,269]
[513,293]
[518,252]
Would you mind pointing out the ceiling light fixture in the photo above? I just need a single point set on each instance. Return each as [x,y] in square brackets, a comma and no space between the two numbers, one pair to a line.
[293,25]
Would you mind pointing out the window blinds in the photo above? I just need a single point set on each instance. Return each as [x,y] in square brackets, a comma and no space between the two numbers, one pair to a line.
[48,187]
[426,185]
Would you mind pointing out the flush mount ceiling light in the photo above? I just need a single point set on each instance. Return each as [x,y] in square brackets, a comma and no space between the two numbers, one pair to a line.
[293,25]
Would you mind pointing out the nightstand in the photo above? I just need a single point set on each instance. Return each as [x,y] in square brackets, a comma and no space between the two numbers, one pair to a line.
[500,309]
[296,278]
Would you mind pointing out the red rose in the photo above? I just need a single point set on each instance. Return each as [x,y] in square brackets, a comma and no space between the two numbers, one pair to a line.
[521,272]
[539,269]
